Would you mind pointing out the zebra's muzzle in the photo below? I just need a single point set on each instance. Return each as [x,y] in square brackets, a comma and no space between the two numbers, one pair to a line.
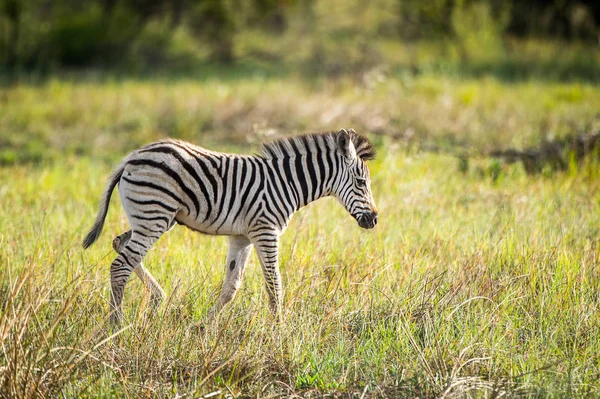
[367,220]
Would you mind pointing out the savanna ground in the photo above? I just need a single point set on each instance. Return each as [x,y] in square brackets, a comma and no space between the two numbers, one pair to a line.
[479,280]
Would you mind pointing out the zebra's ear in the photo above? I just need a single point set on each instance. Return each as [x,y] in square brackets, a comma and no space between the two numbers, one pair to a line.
[344,144]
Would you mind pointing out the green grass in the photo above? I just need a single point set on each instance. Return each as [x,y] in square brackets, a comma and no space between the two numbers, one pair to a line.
[103,117]
[474,283]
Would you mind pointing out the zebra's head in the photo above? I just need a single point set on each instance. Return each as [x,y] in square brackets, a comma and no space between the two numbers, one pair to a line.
[353,188]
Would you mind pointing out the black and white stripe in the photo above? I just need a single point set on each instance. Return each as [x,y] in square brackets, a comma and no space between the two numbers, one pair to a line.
[248,198]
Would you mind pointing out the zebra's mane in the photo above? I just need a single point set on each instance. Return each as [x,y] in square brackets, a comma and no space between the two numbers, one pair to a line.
[288,147]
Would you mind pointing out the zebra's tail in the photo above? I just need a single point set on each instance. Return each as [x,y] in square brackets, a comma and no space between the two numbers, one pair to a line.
[94,233]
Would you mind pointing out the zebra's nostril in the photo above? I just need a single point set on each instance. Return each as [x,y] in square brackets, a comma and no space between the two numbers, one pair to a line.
[375,220]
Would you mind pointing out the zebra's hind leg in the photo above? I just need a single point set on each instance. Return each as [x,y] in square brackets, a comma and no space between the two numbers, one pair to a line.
[157,293]
[120,241]
[129,258]
[237,257]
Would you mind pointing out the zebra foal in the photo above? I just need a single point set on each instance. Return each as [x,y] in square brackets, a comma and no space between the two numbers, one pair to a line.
[251,199]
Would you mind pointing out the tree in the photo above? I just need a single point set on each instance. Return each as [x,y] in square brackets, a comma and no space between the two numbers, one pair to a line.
[13,10]
[211,20]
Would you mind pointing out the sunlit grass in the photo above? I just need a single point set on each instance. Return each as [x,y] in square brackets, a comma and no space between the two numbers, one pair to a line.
[479,279]
[467,285]
[47,121]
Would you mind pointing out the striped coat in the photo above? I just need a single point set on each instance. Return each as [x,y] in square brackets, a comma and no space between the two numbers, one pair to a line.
[248,198]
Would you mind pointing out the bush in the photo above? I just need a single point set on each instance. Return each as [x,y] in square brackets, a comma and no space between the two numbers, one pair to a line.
[346,44]
[79,39]
[478,32]
[94,38]
[159,45]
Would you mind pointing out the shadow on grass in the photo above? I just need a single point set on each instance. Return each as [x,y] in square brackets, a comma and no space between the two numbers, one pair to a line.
[241,70]
[513,71]
[580,68]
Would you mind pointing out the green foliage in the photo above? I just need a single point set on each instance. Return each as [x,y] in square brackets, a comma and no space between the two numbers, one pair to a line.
[212,20]
[494,170]
[327,38]
[79,39]
[157,44]
[479,34]
[420,19]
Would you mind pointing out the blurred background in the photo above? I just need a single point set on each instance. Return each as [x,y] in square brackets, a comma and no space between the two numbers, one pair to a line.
[488,75]
[482,275]
[330,37]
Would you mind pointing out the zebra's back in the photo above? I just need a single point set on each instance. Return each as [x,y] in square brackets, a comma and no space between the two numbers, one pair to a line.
[173,181]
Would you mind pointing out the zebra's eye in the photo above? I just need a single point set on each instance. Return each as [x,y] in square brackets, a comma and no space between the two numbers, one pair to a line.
[360,182]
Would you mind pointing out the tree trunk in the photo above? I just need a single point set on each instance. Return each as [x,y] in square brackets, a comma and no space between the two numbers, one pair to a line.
[14,9]
[108,7]
[176,13]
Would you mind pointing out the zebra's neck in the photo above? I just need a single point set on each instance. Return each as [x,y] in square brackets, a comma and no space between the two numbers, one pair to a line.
[300,180]
[300,170]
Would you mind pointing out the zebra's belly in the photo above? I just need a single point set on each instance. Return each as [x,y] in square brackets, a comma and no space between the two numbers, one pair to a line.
[212,227]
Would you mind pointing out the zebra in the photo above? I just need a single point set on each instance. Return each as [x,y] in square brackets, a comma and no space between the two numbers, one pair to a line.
[250,198]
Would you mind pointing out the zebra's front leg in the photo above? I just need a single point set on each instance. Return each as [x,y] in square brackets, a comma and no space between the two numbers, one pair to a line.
[266,243]
[157,293]
[237,257]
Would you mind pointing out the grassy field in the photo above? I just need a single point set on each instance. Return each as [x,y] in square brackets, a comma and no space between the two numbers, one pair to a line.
[479,280]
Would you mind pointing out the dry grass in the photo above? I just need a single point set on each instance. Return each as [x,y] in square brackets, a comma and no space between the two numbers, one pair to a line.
[481,283]
[99,119]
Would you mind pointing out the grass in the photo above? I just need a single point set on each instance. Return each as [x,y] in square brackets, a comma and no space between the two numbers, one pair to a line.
[480,282]
[102,117]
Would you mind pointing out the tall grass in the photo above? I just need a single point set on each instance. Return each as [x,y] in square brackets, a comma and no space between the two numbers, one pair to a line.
[479,280]
[107,117]
[469,286]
